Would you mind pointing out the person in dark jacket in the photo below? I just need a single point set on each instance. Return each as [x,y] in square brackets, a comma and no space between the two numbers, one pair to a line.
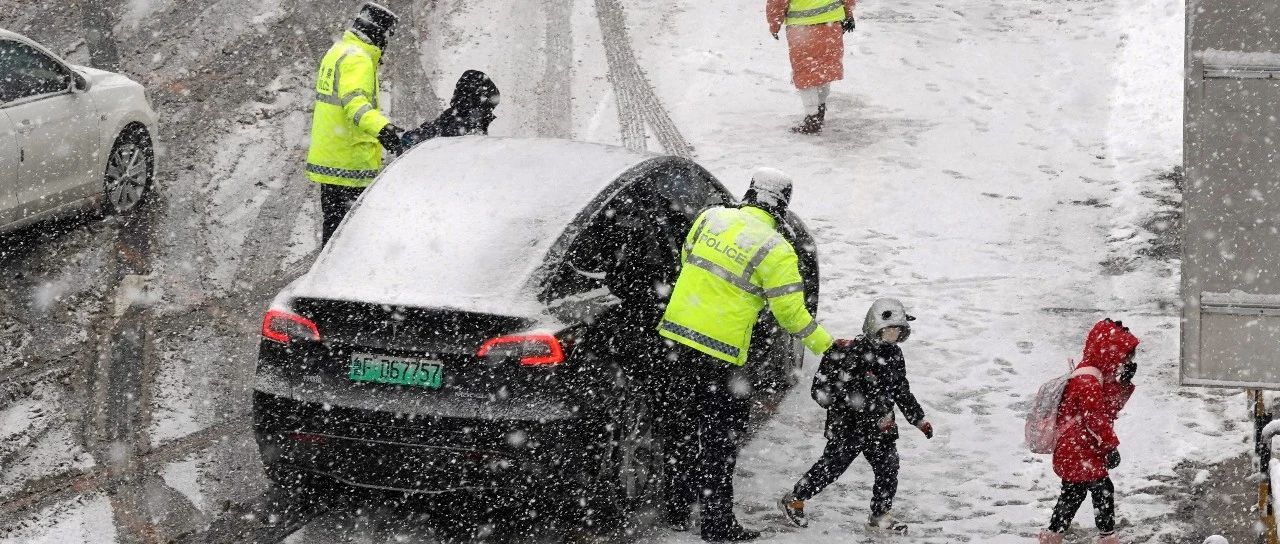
[1087,443]
[470,111]
[859,382]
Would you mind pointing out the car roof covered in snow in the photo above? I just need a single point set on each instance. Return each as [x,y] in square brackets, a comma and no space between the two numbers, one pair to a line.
[14,36]
[463,223]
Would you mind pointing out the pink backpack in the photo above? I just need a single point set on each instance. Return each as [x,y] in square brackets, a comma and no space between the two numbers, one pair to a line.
[1041,430]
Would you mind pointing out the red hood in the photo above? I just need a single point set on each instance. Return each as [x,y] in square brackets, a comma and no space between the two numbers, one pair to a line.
[1107,346]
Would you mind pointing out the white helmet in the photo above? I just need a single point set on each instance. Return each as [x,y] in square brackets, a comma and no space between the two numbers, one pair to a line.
[770,189]
[884,313]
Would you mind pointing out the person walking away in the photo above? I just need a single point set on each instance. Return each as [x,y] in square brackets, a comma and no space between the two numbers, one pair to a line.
[859,383]
[815,42]
[733,263]
[1086,447]
[348,131]
[475,96]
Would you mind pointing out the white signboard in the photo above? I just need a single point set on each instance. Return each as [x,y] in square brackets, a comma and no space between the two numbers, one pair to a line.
[1231,198]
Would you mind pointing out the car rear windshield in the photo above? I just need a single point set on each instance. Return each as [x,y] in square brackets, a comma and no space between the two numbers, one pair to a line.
[460,222]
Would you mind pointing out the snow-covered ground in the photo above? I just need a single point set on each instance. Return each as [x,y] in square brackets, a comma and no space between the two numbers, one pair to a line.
[993,164]
[986,163]
[82,520]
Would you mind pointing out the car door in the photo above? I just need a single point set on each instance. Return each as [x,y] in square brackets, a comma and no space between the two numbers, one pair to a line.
[8,167]
[56,129]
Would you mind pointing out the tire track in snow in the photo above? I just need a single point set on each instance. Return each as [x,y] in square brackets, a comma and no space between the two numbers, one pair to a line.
[554,92]
[47,491]
[637,101]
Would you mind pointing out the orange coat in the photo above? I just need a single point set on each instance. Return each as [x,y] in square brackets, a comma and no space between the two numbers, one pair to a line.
[816,51]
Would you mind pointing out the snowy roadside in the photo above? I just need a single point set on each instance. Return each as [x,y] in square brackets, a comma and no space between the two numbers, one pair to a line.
[983,162]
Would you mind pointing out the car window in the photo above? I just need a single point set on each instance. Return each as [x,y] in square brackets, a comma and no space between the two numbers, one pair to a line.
[586,263]
[687,189]
[25,71]
[622,250]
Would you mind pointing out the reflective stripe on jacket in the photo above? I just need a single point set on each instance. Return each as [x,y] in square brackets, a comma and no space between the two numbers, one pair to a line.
[814,12]
[733,262]
[344,127]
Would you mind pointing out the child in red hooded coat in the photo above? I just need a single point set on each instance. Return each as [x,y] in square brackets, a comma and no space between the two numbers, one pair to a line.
[1087,443]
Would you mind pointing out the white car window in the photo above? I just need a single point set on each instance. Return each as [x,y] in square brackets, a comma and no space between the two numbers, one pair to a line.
[28,72]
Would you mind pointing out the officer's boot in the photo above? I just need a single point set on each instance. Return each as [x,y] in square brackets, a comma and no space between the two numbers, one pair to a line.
[731,533]
[677,520]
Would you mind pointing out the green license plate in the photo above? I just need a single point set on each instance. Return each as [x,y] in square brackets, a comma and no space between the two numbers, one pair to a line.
[396,371]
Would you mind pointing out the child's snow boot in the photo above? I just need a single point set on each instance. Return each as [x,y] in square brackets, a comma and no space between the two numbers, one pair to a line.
[812,124]
[1051,537]
[793,509]
[887,524]
[1108,539]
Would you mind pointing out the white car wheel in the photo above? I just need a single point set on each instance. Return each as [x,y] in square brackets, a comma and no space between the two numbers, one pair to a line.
[128,175]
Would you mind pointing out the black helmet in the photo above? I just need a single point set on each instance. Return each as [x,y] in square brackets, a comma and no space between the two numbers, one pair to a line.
[474,91]
[375,22]
[771,191]
[474,99]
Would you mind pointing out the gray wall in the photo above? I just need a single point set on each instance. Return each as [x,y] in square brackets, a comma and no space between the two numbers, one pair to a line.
[1232,194]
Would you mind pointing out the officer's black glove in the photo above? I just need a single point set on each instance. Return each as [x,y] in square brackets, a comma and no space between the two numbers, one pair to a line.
[1113,459]
[1127,371]
[848,24]
[389,137]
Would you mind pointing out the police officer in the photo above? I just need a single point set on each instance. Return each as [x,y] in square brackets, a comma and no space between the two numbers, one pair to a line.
[734,262]
[348,132]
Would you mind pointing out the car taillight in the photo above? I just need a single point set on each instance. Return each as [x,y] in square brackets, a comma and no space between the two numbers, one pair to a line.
[538,349]
[281,326]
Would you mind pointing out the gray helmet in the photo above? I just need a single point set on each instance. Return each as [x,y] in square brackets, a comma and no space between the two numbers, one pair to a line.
[887,312]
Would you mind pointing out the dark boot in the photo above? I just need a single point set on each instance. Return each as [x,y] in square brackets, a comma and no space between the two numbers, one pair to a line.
[731,533]
[812,124]
[677,521]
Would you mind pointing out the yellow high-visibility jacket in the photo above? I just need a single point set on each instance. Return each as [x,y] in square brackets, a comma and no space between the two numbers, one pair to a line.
[815,12]
[733,263]
[344,127]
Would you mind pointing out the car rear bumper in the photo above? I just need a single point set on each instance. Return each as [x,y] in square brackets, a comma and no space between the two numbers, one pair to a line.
[383,450]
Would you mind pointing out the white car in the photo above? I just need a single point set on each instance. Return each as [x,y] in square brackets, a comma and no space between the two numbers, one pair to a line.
[70,136]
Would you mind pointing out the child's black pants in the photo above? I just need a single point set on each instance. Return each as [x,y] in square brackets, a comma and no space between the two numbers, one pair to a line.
[841,450]
[1104,504]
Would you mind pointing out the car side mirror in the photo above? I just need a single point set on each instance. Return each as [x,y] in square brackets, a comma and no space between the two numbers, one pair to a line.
[79,83]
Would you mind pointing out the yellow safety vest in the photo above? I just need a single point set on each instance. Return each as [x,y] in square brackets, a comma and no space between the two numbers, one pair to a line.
[733,262]
[815,12]
[346,121]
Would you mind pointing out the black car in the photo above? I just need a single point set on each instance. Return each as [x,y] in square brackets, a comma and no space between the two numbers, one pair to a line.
[485,319]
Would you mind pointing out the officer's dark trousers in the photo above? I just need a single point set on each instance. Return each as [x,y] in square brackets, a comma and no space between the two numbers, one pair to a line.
[335,202]
[842,448]
[677,424]
[1104,505]
[721,395]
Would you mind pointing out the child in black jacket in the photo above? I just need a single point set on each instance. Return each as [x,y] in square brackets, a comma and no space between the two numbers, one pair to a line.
[859,382]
